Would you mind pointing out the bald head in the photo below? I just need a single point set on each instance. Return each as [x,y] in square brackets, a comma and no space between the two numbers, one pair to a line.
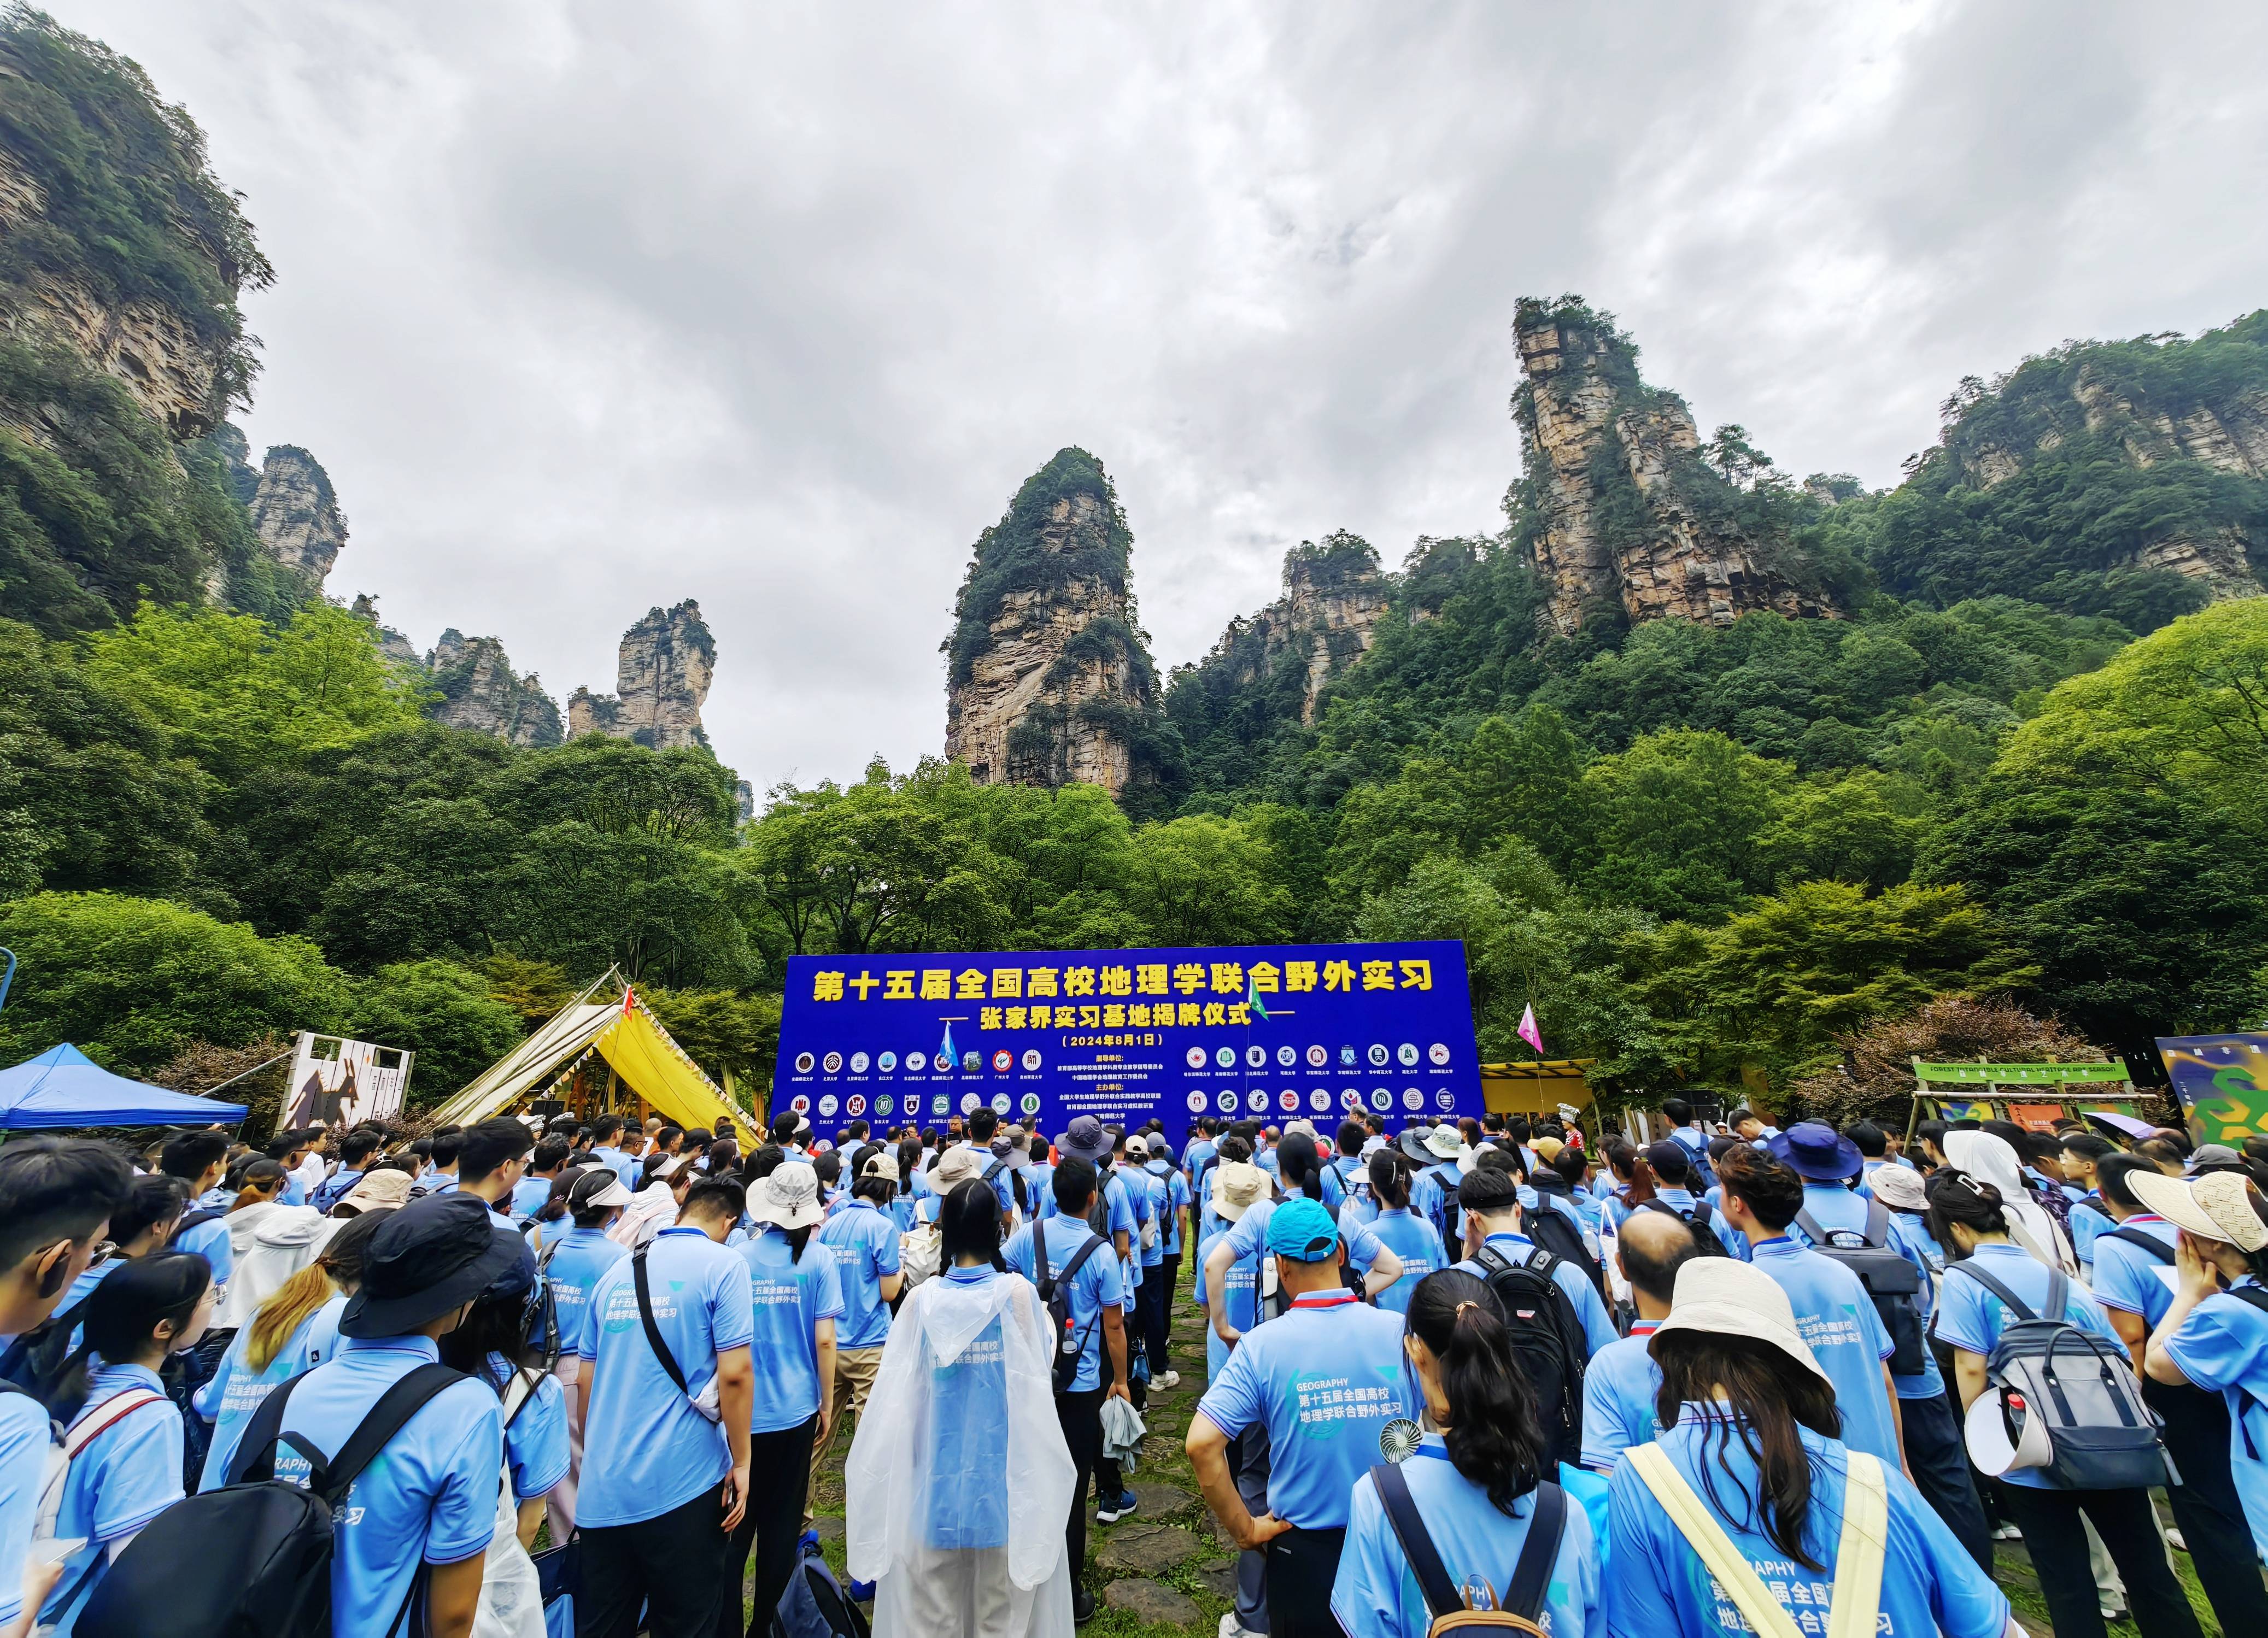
[1652,1246]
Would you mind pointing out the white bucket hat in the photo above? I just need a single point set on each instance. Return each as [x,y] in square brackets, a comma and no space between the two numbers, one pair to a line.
[787,1197]
[1446,1141]
[2212,1206]
[954,1167]
[1729,1299]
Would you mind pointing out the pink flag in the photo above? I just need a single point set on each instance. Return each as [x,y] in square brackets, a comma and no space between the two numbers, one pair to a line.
[1527,1032]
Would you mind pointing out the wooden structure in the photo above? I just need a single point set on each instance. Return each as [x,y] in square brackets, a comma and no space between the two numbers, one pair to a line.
[2034,1096]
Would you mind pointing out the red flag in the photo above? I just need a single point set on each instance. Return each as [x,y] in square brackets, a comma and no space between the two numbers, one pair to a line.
[629,997]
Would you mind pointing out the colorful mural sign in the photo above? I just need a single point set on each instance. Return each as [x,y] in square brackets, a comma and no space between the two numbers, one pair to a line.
[2222,1084]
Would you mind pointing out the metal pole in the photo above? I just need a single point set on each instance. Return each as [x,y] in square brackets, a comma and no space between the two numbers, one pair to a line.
[9,977]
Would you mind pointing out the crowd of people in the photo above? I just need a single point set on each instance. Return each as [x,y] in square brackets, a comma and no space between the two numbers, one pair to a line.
[583,1375]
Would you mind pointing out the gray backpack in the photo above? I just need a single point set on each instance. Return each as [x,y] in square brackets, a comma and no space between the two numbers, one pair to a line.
[2081,1386]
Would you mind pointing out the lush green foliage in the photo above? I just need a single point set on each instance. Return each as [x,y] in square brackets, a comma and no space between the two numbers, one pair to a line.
[131,982]
[1015,555]
[447,1014]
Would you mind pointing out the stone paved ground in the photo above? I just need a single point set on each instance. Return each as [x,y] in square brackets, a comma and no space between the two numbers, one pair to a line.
[1167,1572]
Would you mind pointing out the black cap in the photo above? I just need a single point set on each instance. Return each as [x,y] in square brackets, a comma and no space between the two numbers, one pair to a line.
[434,1255]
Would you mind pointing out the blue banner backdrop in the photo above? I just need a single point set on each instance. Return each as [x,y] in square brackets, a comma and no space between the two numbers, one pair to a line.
[1264,1031]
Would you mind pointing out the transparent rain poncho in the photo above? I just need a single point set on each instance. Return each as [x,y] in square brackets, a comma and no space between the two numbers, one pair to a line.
[959,1481]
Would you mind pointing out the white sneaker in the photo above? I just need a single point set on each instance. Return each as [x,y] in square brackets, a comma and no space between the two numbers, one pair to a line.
[1231,1627]
[2174,1540]
[2007,1532]
[1171,1379]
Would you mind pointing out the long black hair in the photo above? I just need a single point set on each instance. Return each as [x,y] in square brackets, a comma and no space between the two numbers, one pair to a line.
[1956,1197]
[969,1223]
[1758,1395]
[1493,1432]
[1300,1166]
[122,1314]
[1389,1179]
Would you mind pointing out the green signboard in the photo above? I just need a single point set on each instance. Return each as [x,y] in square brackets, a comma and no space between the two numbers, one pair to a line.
[2019,1074]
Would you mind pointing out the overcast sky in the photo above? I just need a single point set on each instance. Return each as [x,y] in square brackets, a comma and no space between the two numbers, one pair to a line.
[588,307]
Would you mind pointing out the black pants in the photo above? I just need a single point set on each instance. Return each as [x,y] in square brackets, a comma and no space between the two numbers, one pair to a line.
[673,1564]
[1939,1459]
[1108,1481]
[1080,1415]
[779,1476]
[2206,1509]
[1302,1564]
[1157,1313]
[2050,1520]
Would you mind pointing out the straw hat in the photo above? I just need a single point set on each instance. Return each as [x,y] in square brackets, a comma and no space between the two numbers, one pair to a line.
[1735,1299]
[1237,1186]
[2212,1206]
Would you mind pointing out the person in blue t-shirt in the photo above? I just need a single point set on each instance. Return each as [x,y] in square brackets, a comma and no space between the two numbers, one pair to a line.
[1620,1388]
[1929,1432]
[864,1239]
[1475,1485]
[290,1333]
[571,1266]
[418,1519]
[1386,1185]
[2090,1214]
[490,1345]
[56,1198]
[357,1151]
[1691,1137]
[1041,1250]
[1434,1191]
[664,1480]
[1971,1222]
[1837,1319]
[1752,1440]
[2214,1335]
[1237,1187]
[533,1191]
[796,1298]
[2136,1272]
[1323,1380]
[1173,1223]
[129,1469]
[200,1160]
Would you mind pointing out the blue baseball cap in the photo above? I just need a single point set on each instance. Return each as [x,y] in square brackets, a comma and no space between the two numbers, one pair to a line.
[1302,1230]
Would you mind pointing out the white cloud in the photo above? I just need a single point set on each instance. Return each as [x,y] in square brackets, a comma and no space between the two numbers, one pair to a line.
[588,308]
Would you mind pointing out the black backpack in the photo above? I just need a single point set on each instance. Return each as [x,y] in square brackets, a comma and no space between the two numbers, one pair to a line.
[1560,1234]
[1445,1215]
[1701,1220]
[1546,1340]
[1892,1281]
[254,1559]
[34,1360]
[1054,1291]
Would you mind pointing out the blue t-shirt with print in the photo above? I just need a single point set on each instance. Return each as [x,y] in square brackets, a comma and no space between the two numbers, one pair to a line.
[431,1500]
[1845,1335]
[1242,1288]
[1660,1588]
[1970,1317]
[1412,1239]
[1590,1310]
[1096,1287]
[864,1241]
[1324,1379]
[789,1296]
[535,1437]
[124,1478]
[528,1196]
[967,1504]
[24,1442]
[1619,1391]
[1376,1593]
[646,1449]
[572,1274]
[1835,1209]
[1174,1190]
[236,1390]
[2223,1345]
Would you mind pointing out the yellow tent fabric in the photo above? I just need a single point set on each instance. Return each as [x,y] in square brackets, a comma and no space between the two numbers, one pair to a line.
[643,1056]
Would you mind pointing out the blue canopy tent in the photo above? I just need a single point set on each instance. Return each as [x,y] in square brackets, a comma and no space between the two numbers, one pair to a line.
[63,1087]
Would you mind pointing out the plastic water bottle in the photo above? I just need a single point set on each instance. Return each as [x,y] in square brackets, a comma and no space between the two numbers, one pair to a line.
[1478,1594]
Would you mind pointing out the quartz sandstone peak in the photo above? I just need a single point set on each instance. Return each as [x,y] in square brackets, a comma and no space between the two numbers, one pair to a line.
[480,691]
[662,676]
[1048,678]
[1334,597]
[1617,507]
[296,514]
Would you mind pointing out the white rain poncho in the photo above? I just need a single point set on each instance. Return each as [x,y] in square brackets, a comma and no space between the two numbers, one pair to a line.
[1990,1158]
[959,1479]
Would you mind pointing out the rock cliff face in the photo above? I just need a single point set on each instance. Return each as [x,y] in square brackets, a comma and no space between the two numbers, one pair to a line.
[391,644]
[662,676]
[153,348]
[1334,597]
[1048,680]
[480,691]
[1618,508]
[2081,394]
[295,513]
